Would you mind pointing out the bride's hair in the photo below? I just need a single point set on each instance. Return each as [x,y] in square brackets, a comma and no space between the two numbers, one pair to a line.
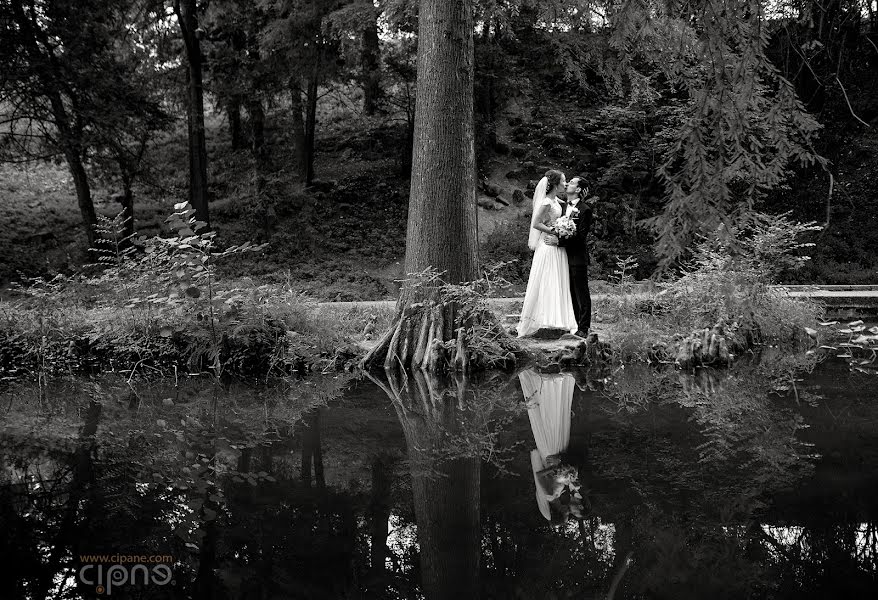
[554,177]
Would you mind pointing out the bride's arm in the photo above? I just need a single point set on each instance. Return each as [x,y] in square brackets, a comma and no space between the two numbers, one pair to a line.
[539,222]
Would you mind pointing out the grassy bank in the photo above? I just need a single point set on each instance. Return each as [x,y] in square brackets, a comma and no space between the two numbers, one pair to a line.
[266,331]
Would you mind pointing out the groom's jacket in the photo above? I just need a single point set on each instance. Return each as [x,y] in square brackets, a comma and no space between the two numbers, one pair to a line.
[577,251]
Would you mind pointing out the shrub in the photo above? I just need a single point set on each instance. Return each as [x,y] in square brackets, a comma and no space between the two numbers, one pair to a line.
[507,244]
[720,286]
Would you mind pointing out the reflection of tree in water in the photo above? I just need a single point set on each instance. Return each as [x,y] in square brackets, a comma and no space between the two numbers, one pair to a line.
[730,518]
[182,484]
[448,430]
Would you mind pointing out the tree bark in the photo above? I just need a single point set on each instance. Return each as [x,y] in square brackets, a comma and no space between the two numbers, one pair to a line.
[371,61]
[128,212]
[442,229]
[234,110]
[311,124]
[187,16]
[73,157]
[257,126]
[300,154]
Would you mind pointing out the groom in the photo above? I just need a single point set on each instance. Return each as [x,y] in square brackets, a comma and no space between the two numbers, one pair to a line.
[580,211]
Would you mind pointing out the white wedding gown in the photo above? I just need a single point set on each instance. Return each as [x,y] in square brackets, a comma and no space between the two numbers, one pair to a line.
[549,403]
[547,302]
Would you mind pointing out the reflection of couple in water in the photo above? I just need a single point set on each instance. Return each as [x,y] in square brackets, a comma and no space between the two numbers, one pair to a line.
[549,400]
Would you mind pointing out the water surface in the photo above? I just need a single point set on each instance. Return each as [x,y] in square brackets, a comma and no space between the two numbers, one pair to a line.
[636,484]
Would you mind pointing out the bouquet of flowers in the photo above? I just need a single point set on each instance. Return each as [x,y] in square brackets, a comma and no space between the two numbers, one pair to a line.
[567,475]
[564,227]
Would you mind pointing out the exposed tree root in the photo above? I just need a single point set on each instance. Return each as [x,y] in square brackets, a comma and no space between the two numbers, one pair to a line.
[437,337]
[711,346]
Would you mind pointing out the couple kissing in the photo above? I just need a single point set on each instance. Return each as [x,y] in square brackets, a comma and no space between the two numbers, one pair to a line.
[557,296]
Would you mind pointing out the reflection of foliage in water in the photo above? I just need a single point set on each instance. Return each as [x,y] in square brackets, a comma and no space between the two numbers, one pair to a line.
[116,468]
[747,448]
[248,521]
[452,418]
[739,413]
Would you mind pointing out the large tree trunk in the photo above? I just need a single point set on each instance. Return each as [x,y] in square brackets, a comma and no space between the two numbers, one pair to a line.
[371,60]
[300,153]
[442,231]
[187,16]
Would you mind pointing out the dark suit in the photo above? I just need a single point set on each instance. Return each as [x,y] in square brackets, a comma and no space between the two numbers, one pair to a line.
[577,258]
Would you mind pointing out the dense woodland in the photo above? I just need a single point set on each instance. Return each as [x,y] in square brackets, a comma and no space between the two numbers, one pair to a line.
[291,123]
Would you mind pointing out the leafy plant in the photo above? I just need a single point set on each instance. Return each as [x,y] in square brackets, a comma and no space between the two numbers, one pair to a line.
[726,284]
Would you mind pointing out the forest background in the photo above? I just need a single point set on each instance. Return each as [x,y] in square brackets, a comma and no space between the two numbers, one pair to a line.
[300,115]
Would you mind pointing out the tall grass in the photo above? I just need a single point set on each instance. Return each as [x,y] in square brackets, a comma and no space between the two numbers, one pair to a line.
[160,305]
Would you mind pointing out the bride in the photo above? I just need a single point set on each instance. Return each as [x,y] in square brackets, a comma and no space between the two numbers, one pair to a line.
[547,302]
[549,401]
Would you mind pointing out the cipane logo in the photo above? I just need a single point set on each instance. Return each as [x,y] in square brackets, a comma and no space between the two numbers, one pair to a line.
[107,572]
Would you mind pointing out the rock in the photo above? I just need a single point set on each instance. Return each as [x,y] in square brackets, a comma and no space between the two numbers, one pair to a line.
[319,185]
[585,162]
[554,140]
[573,134]
[602,159]
[501,147]
[491,190]
[532,185]
[168,402]
[41,237]
[501,200]
[520,135]
[518,196]
[515,174]
[487,203]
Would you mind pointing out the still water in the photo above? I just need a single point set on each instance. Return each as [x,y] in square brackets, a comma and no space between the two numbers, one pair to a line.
[758,483]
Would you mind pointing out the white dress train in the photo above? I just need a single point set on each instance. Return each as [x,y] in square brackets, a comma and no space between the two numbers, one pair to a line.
[547,302]
[549,403]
